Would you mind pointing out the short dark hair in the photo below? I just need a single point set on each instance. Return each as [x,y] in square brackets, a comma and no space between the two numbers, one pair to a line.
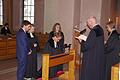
[111,24]
[57,34]
[25,22]
[6,24]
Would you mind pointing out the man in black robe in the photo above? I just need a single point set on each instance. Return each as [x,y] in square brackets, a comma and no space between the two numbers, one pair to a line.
[53,46]
[93,53]
[112,49]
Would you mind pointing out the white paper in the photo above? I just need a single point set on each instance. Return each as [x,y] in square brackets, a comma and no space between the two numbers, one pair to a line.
[82,37]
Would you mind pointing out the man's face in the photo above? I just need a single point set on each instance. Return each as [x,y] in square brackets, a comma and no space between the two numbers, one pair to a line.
[89,23]
[27,27]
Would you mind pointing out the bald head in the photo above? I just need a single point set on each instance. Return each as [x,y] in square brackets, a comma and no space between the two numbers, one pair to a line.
[91,21]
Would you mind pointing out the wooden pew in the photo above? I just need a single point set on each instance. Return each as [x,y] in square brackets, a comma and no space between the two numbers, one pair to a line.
[49,61]
[42,39]
[7,47]
[115,72]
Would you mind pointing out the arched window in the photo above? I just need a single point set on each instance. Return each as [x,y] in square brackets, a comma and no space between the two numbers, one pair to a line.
[1,12]
[29,10]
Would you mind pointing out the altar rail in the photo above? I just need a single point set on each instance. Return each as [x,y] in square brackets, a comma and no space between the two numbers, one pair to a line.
[50,61]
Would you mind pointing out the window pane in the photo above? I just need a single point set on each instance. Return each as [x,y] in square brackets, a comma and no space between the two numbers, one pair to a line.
[32,20]
[29,10]
[1,13]
[25,2]
[32,10]
[25,11]
[1,20]
[31,2]
[25,18]
[0,2]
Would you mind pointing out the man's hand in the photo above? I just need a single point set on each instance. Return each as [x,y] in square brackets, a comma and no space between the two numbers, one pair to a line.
[30,52]
[35,45]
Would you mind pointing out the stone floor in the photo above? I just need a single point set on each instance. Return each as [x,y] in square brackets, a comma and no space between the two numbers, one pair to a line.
[8,69]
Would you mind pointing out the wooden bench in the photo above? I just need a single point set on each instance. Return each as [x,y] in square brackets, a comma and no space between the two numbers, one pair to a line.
[115,72]
[42,39]
[50,61]
[7,47]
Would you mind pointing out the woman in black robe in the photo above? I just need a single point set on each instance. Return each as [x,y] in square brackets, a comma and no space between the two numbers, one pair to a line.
[31,69]
[57,28]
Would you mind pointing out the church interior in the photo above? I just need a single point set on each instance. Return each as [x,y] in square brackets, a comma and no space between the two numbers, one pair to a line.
[44,14]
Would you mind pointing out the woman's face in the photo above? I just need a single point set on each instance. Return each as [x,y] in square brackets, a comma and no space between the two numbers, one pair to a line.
[32,29]
[108,28]
[57,28]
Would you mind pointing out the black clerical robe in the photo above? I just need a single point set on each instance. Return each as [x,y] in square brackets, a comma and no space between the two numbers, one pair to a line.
[93,55]
[112,49]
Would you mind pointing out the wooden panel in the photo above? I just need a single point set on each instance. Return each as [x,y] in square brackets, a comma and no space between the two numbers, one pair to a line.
[60,60]
[45,67]
[42,38]
[2,52]
[7,47]
[11,42]
[11,51]
[115,72]
[2,44]
[55,60]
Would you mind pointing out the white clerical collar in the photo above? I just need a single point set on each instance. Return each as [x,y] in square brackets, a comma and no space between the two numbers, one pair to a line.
[111,32]
[31,35]
[95,24]
[24,30]
[55,44]
[6,28]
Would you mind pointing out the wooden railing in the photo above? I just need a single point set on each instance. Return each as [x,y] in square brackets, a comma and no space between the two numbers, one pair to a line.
[115,72]
[49,61]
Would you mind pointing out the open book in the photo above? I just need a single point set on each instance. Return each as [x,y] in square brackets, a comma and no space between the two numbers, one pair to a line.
[82,37]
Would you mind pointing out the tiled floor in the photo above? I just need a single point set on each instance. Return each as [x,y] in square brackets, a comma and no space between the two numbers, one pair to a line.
[8,69]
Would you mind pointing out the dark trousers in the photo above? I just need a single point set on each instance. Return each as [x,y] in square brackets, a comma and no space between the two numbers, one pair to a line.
[111,59]
[21,69]
[31,68]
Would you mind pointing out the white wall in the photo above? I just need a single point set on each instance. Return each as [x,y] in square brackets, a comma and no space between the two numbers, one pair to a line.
[59,11]
[89,8]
